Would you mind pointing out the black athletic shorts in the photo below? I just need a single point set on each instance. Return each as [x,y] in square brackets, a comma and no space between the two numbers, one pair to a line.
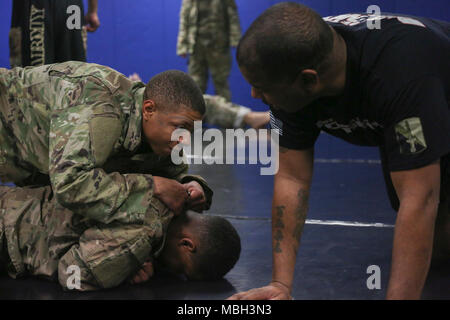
[40,35]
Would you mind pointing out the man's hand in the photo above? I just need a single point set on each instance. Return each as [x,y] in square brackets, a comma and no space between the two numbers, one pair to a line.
[274,291]
[172,193]
[92,21]
[197,198]
[134,77]
[144,274]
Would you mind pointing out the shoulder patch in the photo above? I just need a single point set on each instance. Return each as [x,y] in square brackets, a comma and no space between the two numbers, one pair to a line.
[410,137]
[104,130]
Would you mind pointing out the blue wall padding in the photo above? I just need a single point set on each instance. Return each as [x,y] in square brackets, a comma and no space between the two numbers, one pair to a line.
[140,35]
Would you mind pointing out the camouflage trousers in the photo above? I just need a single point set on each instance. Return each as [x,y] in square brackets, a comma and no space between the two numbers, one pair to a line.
[217,61]
[224,114]
[27,217]
[40,237]
[9,168]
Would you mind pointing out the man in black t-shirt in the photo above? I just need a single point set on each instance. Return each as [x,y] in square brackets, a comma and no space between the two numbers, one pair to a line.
[386,87]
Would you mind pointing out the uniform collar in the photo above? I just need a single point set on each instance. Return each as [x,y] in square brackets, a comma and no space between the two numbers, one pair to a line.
[133,137]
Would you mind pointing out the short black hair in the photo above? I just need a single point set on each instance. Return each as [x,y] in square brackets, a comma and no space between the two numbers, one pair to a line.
[174,88]
[219,248]
[284,40]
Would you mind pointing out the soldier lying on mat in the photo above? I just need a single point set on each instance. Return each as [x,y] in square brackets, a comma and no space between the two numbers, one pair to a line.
[39,237]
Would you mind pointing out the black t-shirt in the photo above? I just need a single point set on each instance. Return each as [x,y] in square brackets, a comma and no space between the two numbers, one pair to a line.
[397,92]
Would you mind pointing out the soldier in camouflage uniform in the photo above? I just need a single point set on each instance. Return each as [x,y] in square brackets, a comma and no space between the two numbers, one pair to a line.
[208,28]
[102,141]
[39,237]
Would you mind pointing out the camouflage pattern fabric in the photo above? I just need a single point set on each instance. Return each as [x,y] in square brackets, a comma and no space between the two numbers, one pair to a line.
[45,239]
[218,62]
[410,136]
[221,23]
[224,114]
[207,31]
[15,47]
[79,125]
[84,36]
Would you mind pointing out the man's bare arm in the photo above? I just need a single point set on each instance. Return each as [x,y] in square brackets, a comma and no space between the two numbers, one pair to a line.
[289,208]
[93,6]
[418,192]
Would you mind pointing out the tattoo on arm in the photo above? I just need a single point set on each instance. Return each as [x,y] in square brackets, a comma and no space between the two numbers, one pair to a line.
[278,227]
[300,214]
[300,217]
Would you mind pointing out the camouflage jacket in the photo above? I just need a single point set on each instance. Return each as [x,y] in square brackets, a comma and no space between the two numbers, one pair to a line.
[42,238]
[80,125]
[222,24]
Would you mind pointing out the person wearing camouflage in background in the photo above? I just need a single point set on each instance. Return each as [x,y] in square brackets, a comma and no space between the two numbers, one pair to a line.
[100,140]
[44,239]
[208,28]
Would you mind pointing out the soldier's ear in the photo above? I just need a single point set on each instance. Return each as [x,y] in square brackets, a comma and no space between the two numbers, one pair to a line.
[188,244]
[148,109]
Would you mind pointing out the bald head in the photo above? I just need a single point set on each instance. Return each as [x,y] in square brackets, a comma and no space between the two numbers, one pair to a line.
[284,40]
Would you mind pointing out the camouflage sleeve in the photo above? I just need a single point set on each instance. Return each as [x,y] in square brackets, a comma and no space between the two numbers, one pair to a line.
[105,257]
[235,27]
[182,41]
[180,173]
[15,47]
[78,149]
[224,114]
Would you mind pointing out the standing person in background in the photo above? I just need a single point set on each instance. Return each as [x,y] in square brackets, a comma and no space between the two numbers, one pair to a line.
[208,28]
[49,31]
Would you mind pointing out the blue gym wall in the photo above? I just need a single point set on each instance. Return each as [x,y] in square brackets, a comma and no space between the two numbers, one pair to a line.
[140,35]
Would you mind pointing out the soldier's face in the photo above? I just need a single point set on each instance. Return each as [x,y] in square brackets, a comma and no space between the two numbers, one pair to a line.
[175,256]
[289,97]
[158,125]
